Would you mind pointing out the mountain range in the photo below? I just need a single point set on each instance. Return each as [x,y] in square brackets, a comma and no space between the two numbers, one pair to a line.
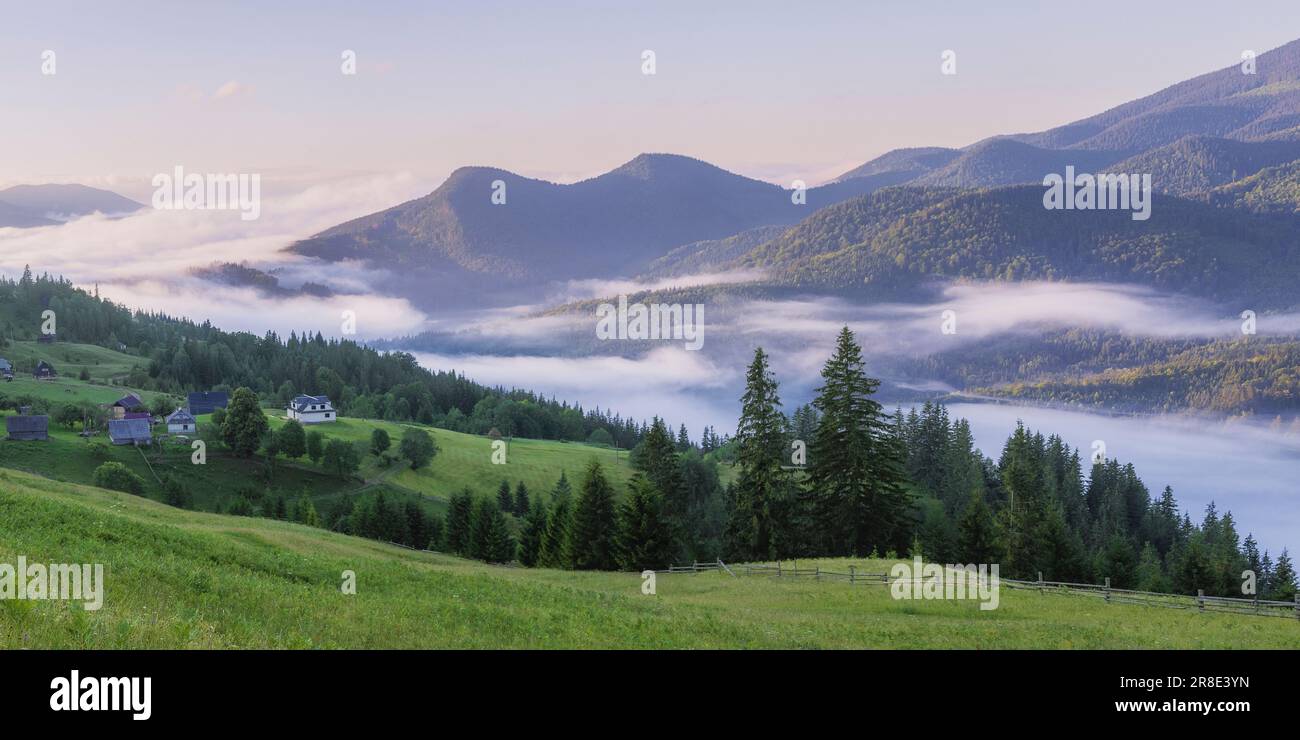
[1223,148]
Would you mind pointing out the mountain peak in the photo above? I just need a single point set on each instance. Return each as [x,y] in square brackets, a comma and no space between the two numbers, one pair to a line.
[648,166]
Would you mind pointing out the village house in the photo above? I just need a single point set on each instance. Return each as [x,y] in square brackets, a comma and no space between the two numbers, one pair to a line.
[205,402]
[44,371]
[129,431]
[122,406]
[28,428]
[6,369]
[181,422]
[50,338]
[312,409]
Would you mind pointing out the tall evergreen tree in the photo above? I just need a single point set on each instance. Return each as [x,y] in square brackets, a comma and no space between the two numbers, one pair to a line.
[505,501]
[460,514]
[555,541]
[594,527]
[1284,579]
[490,539]
[856,483]
[521,506]
[979,538]
[645,539]
[763,485]
[532,534]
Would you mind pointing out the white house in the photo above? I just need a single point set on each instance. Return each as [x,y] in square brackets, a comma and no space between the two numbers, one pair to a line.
[312,409]
[181,422]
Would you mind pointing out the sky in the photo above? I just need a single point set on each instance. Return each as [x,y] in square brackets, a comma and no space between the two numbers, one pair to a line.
[774,90]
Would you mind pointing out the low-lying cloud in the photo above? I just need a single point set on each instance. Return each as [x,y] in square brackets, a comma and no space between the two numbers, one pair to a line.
[145,260]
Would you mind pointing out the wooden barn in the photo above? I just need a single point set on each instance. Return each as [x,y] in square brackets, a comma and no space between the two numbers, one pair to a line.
[28,428]
[129,432]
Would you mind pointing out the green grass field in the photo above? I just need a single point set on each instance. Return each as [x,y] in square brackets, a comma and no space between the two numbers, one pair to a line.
[179,579]
[466,459]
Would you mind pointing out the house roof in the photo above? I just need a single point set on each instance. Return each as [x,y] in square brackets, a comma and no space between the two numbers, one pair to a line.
[129,401]
[133,429]
[180,416]
[15,424]
[44,365]
[207,400]
[5,365]
[300,403]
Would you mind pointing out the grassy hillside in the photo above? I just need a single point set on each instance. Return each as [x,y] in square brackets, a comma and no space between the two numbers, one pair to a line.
[465,460]
[69,359]
[178,579]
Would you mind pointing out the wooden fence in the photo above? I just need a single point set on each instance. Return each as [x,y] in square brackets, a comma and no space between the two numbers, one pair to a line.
[1200,602]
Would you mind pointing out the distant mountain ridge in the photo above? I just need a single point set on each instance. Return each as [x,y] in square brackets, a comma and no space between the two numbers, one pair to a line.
[24,206]
[608,225]
[1223,142]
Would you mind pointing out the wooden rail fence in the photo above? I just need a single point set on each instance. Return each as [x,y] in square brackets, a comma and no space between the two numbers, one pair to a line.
[1104,591]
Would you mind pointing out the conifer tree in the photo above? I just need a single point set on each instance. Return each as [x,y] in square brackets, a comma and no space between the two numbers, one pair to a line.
[979,539]
[1284,578]
[554,552]
[856,483]
[460,513]
[593,531]
[505,501]
[657,457]
[763,485]
[490,539]
[307,511]
[532,534]
[521,505]
[645,539]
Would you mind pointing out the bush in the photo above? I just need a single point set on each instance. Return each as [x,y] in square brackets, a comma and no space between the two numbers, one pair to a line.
[116,476]
[418,447]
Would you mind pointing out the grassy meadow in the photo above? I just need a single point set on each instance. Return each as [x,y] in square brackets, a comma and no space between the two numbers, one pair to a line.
[182,579]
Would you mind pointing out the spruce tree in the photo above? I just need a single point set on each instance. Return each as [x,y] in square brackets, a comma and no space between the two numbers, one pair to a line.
[460,514]
[521,505]
[979,539]
[763,485]
[1284,578]
[490,539]
[856,484]
[505,501]
[532,534]
[592,535]
[307,511]
[555,542]
[645,540]
[657,457]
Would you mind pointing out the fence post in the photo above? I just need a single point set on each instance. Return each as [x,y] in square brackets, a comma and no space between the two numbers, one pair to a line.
[1107,589]
[1200,599]
[1040,581]
[817,574]
[1297,605]
[778,569]
[853,578]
